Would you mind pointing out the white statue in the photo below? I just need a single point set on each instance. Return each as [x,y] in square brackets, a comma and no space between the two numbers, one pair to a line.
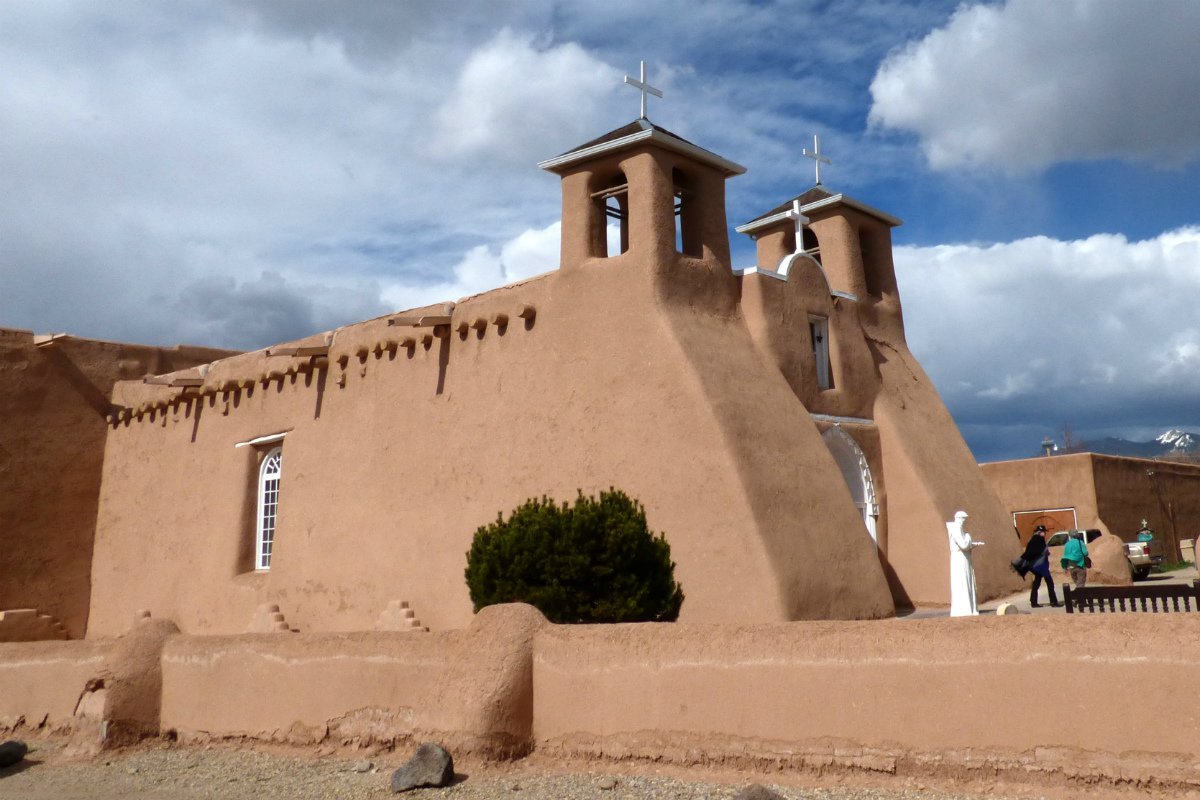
[962,574]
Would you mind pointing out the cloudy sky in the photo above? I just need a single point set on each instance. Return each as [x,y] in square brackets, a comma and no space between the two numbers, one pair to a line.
[239,173]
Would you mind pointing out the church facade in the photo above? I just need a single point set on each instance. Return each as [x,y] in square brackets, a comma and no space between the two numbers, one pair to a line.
[772,421]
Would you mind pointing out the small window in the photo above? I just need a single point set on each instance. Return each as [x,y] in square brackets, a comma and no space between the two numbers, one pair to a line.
[268,507]
[818,329]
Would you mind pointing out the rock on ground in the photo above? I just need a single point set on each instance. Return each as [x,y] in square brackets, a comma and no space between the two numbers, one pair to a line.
[12,752]
[431,765]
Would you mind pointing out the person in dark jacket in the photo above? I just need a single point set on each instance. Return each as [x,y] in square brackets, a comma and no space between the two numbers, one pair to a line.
[1037,556]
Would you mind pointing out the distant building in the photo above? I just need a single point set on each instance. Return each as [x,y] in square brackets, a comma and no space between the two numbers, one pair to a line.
[1111,493]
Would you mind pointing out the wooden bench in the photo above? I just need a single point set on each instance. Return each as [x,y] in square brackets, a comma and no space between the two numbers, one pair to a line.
[1144,599]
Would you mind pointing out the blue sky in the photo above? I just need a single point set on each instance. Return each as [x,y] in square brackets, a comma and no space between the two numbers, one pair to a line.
[239,173]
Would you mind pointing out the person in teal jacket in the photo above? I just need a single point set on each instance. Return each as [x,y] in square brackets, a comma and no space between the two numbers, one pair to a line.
[1075,558]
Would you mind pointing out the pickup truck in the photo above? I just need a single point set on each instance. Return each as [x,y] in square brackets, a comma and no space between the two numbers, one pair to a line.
[1143,556]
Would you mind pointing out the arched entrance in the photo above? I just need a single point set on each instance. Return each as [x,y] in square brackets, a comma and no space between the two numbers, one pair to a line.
[856,472]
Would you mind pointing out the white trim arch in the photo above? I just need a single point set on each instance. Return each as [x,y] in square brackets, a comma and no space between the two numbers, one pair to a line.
[269,474]
[856,472]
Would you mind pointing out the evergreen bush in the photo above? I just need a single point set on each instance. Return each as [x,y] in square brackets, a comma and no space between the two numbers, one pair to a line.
[594,561]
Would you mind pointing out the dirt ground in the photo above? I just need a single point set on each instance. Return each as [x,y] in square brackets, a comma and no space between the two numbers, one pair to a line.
[159,770]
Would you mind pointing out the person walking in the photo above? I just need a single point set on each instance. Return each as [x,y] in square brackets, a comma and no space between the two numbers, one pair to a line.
[1075,559]
[1037,556]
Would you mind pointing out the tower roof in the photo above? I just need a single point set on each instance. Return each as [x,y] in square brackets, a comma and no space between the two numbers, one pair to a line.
[637,132]
[815,199]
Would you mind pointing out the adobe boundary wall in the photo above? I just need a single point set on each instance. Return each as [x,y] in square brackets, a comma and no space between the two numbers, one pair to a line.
[42,683]
[1098,700]
[469,689]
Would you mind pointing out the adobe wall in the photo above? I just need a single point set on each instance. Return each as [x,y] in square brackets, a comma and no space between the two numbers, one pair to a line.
[951,696]
[41,683]
[52,403]
[1111,493]
[928,472]
[1169,499]
[393,461]
[922,468]
[471,690]
[1031,484]
[948,697]
[931,475]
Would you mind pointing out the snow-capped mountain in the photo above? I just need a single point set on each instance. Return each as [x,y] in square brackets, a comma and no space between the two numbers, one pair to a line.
[1178,440]
[1174,442]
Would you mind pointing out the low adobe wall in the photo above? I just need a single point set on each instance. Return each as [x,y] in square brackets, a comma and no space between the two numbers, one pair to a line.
[1099,699]
[41,683]
[1060,696]
[470,689]
[106,690]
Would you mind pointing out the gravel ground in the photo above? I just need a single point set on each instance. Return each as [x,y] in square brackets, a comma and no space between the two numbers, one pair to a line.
[160,772]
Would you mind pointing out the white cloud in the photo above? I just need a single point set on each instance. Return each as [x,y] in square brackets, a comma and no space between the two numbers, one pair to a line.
[1100,333]
[156,174]
[485,267]
[1024,84]
[510,92]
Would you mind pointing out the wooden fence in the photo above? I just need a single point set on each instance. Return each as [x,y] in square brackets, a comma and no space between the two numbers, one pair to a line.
[1142,599]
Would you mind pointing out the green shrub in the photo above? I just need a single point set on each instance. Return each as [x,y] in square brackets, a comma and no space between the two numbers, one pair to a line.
[595,561]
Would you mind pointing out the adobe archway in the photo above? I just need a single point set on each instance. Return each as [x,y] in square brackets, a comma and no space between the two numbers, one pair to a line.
[856,472]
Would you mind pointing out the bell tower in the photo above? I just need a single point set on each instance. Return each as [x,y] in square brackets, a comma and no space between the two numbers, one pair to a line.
[665,194]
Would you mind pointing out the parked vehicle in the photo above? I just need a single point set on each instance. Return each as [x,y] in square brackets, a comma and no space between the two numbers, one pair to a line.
[1143,556]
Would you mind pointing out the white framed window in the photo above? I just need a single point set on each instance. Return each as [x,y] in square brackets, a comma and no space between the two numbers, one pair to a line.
[818,329]
[269,474]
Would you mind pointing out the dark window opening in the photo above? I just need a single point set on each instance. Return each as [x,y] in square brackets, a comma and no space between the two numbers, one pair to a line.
[687,232]
[612,199]
[870,248]
[818,329]
[811,245]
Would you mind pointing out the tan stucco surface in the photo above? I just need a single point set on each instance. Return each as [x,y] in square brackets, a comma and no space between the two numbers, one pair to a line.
[913,697]
[471,689]
[880,692]
[42,682]
[52,433]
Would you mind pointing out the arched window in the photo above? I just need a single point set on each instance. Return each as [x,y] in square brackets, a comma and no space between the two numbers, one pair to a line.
[268,507]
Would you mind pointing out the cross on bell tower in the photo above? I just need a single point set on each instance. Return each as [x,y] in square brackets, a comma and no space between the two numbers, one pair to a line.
[815,155]
[642,86]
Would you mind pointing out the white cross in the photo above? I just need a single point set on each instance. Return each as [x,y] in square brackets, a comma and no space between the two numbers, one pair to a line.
[800,220]
[643,87]
[816,156]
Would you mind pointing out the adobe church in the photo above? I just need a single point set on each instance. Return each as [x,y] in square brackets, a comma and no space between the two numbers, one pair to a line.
[771,420]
